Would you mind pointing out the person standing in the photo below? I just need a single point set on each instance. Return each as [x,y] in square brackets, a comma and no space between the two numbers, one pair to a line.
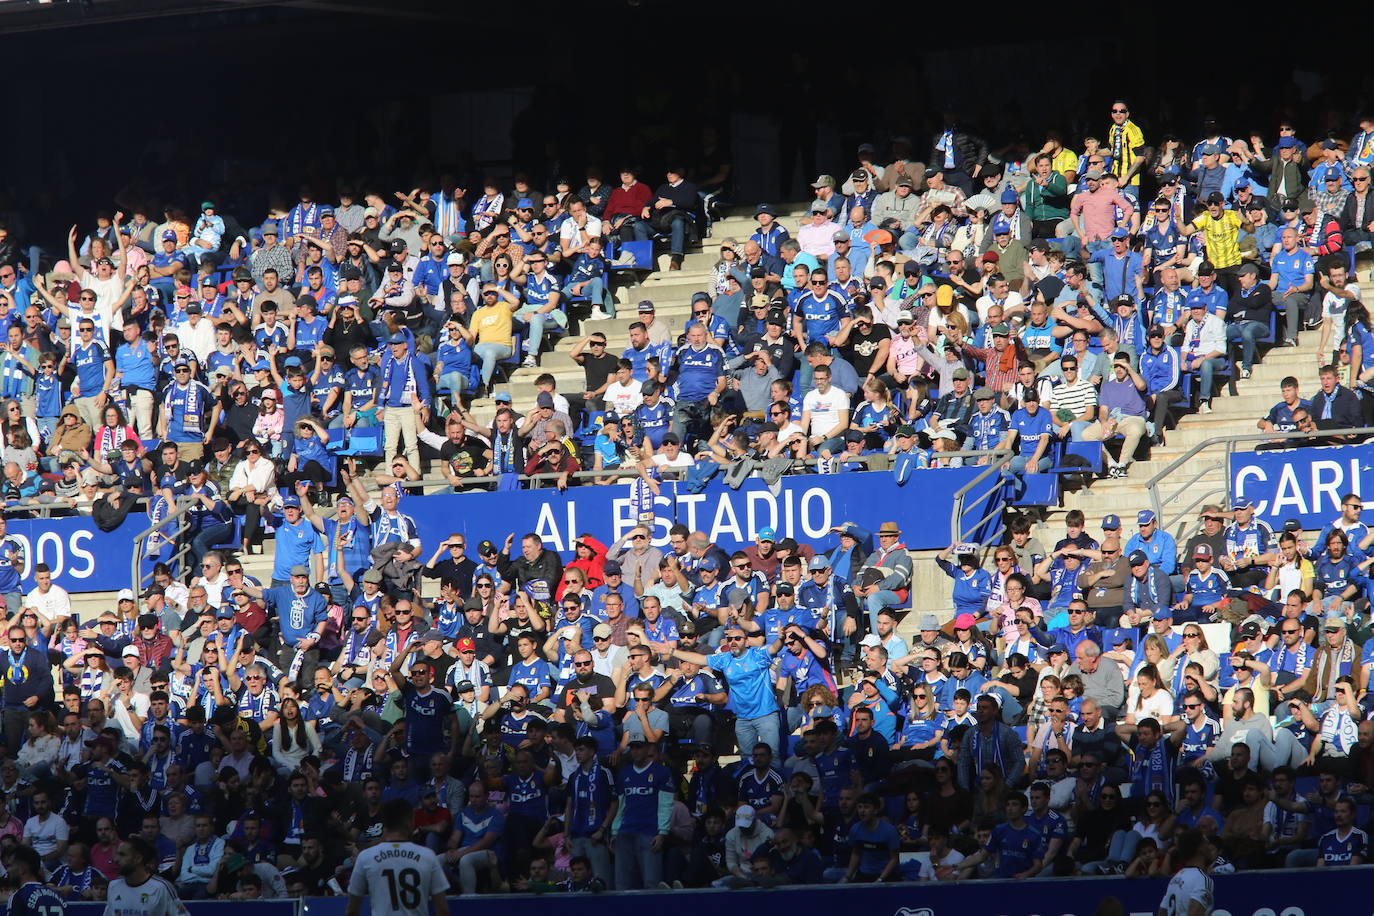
[401,877]
[1190,891]
[404,393]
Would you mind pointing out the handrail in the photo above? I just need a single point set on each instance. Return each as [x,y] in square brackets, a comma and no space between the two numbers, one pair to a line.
[182,525]
[1154,485]
[1001,458]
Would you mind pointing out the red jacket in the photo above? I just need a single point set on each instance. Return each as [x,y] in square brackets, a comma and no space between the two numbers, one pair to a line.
[594,567]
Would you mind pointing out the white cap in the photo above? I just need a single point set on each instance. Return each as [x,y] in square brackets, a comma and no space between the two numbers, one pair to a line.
[744,816]
[871,640]
[125,594]
[129,650]
[572,633]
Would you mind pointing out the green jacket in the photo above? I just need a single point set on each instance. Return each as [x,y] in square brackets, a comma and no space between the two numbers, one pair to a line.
[1049,202]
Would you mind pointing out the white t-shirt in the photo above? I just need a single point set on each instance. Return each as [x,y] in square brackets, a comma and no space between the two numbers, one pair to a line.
[624,398]
[400,878]
[1188,885]
[568,231]
[985,302]
[107,293]
[56,603]
[662,462]
[825,409]
[1334,307]
[790,430]
[154,897]
[44,836]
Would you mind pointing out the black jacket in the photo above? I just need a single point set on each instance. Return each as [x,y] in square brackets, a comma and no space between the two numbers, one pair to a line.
[1258,306]
[1351,218]
[1345,410]
[970,151]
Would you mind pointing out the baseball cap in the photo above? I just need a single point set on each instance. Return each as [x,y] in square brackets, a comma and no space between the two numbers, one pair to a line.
[1119,233]
[299,570]
[544,399]
[965,621]
[129,650]
[645,305]
[602,631]
[125,594]
[871,641]
[1111,523]
[928,622]
[612,568]
[824,181]
[1137,558]
[766,534]
[1202,552]
[1333,623]
[1164,613]
[373,575]
[455,257]
[524,203]
[1144,516]
[291,501]
[147,620]
[819,561]
[1242,502]
[744,816]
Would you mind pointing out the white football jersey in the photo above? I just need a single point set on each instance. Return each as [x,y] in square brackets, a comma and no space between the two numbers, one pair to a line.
[1188,885]
[154,897]
[400,878]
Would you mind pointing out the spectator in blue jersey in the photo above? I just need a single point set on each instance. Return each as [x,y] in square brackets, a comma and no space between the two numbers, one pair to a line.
[1345,844]
[972,583]
[302,613]
[1015,844]
[646,791]
[478,829]
[1031,429]
[698,373]
[874,845]
[1283,416]
[590,810]
[1204,590]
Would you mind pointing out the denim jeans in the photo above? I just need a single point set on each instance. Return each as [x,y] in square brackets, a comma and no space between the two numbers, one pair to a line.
[490,354]
[691,416]
[677,234]
[1248,333]
[206,539]
[599,854]
[759,730]
[532,325]
[455,382]
[1209,368]
[637,866]
[1020,463]
[595,291]
[1095,267]
[876,602]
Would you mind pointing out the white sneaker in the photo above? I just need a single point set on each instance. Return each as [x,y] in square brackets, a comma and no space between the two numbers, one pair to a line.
[1244,373]
[529,362]
[599,315]
[1205,407]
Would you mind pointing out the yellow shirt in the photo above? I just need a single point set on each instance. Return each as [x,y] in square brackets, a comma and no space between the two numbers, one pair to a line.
[1065,162]
[1122,151]
[492,324]
[1222,237]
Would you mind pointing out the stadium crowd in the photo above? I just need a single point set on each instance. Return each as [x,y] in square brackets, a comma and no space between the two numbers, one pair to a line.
[576,725]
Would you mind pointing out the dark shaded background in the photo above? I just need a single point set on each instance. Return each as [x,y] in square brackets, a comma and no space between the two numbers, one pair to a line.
[242,101]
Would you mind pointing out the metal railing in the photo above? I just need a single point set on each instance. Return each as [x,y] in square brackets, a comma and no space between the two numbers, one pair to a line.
[1167,495]
[880,461]
[963,505]
[172,527]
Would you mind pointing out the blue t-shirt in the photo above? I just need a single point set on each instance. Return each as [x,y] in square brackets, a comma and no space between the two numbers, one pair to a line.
[1029,429]
[875,845]
[294,544]
[751,689]
[1292,269]
[425,717]
[1336,850]
[1017,847]
[639,797]
[698,371]
[299,615]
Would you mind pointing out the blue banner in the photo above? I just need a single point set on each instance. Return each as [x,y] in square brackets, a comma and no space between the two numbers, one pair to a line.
[1265,893]
[81,556]
[805,507]
[1302,483]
